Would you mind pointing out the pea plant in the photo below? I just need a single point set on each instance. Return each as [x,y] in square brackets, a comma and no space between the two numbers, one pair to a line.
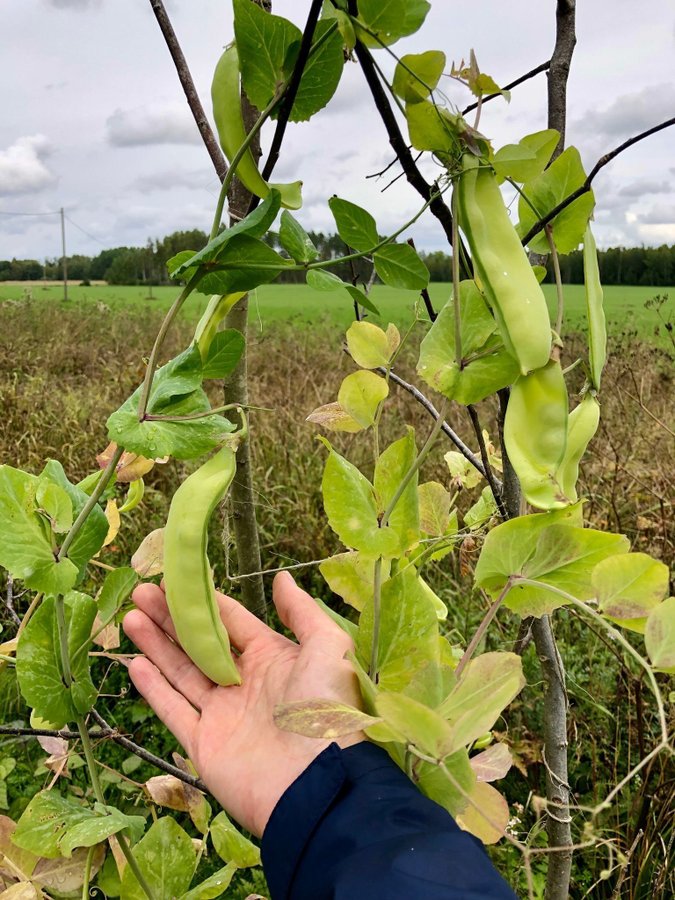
[431,703]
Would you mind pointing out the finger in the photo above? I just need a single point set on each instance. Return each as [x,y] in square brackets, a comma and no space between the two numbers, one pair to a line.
[242,626]
[172,662]
[299,612]
[171,707]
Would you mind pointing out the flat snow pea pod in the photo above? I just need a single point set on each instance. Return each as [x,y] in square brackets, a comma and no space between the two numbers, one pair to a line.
[597,328]
[218,307]
[535,434]
[502,267]
[188,582]
[583,423]
[226,98]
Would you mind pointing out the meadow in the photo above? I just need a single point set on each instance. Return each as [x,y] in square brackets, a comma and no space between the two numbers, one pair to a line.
[65,367]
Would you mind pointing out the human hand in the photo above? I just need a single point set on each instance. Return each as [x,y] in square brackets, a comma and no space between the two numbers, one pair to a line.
[228,732]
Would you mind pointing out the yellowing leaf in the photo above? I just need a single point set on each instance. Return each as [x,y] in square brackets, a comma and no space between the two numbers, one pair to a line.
[360,395]
[487,815]
[628,587]
[369,345]
[148,560]
[493,763]
[334,417]
[112,514]
[318,718]
[660,636]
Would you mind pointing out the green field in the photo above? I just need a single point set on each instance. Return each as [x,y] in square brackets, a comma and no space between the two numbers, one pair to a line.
[298,303]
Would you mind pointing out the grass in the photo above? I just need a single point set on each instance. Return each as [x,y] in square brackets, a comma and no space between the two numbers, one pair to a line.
[301,304]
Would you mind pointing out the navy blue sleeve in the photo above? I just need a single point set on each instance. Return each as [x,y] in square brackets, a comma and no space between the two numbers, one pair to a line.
[353,826]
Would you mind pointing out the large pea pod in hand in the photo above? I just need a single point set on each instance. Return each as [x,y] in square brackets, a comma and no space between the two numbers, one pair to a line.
[535,434]
[232,133]
[583,423]
[502,267]
[190,592]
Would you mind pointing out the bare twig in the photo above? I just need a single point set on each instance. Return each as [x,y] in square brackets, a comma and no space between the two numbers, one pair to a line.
[9,601]
[586,186]
[489,474]
[543,67]
[188,86]
[433,315]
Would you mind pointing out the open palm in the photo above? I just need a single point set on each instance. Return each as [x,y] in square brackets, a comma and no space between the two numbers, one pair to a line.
[229,732]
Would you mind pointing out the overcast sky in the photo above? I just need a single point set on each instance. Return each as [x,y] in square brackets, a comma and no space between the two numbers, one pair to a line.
[94,120]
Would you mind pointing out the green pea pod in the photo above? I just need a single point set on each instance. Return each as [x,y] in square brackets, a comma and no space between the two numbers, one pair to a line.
[597,328]
[226,98]
[501,265]
[134,496]
[218,307]
[190,592]
[583,423]
[535,434]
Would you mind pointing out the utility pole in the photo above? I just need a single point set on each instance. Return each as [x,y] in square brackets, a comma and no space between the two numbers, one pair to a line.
[64,262]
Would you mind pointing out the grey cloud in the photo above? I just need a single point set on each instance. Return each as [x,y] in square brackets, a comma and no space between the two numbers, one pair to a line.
[658,215]
[22,167]
[638,189]
[171,179]
[630,113]
[141,127]
[73,4]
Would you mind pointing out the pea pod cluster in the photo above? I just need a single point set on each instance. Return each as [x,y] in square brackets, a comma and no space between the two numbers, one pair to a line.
[502,267]
[188,582]
[544,443]
[226,97]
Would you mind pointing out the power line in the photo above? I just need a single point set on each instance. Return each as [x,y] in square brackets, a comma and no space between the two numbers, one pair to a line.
[86,233]
[55,213]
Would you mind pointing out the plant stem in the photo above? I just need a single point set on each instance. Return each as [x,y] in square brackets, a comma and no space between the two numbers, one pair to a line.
[377,597]
[558,279]
[101,485]
[455,282]
[198,415]
[159,340]
[482,628]
[87,872]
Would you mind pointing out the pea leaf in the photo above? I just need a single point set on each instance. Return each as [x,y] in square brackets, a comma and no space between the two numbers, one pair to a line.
[321,76]
[355,225]
[628,587]
[563,176]
[486,687]
[56,504]
[231,846]
[89,540]
[417,75]
[321,280]
[448,784]
[482,510]
[368,345]
[53,825]
[263,41]
[117,586]
[487,816]
[359,297]
[333,417]
[390,469]
[295,240]
[434,508]
[245,263]
[319,718]
[408,635]
[213,886]
[660,636]
[485,366]
[390,20]
[399,266]
[25,549]
[528,158]
[419,724]
[360,395]
[349,503]
[431,127]
[38,660]
[350,575]
[224,353]
[166,858]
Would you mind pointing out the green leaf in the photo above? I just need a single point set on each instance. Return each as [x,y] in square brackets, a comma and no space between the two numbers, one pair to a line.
[420,726]
[660,636]
[485,367]
[360,396]
[224,353]
[53,825]
[53,500]
[263,42]
[432,128]
[390,470]
[213,886]
[359,297]
[417,75]
[628,587]
[544,192]
[390,19]
[321,76]
[25,549]
[117,586]
[321,280]
[38,660]
[486,687]
[231,846]
[408,635]
[595,314]
[350,575]
[166,858]
[368,345]
[349,503]
[346,625]
[399,266]
[254,225]
[448,784]
[295,240]
[528,158]
[245,263]
[434,506]
[482,510]
[89,540]
[355,225]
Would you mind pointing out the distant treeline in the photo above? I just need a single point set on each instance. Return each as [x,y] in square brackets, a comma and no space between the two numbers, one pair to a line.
[654,266]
